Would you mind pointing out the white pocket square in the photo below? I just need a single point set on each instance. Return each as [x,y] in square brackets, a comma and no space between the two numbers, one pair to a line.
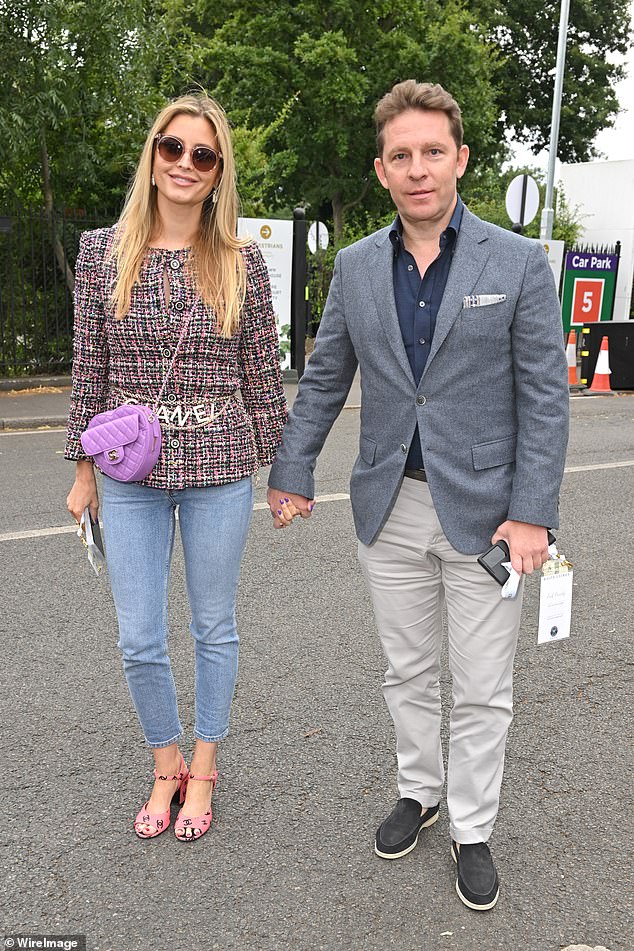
[482,300]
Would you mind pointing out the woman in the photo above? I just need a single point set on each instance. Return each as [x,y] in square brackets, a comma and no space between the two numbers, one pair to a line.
[173,257]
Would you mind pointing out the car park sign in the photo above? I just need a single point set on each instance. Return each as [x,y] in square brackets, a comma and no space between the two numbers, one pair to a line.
[589,287]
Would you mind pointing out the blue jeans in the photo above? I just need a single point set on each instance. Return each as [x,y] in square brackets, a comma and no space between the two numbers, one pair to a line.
[139,524]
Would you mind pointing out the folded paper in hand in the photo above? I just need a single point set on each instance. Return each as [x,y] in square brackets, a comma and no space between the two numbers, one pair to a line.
[90,534]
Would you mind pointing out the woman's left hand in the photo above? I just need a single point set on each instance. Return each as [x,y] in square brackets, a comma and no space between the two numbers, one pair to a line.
[284,513]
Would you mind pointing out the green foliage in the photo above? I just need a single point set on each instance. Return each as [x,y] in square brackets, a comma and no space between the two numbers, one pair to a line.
[328,64]
[526,33]
[299,78]
[85,82]
[486,197]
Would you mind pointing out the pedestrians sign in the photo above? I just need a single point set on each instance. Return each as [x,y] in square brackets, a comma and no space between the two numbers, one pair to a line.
[275,239]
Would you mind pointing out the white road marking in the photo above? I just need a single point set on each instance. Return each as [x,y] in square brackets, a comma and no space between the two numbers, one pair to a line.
[68,529]
[41,430]
[38,533]
[263,506]
[601,465]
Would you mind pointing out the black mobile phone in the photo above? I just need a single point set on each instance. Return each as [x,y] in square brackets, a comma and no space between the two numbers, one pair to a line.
[492,559]
[96,534]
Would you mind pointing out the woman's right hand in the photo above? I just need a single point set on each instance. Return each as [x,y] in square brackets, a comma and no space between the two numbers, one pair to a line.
[83,492]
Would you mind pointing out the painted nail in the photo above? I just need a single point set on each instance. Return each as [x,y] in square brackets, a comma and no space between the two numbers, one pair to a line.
[287,500]
[282,501]
[279,511]
[311,506]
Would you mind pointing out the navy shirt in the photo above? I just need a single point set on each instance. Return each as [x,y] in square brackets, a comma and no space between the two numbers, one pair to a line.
[418,302]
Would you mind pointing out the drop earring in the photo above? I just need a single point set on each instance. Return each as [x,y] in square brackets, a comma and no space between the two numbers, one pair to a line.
[214,196]
[152,179]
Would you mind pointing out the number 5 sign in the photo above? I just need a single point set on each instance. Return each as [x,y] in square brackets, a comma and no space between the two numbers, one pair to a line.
[589,286]
[587,296]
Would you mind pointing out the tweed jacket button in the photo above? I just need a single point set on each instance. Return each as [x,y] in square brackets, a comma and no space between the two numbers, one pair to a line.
[403,447]
[175,264]
[421,400]
[171,398]
[175,443]
[179,305]
[167,352]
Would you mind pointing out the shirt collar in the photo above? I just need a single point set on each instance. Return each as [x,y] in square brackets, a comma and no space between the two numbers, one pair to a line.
[449,234]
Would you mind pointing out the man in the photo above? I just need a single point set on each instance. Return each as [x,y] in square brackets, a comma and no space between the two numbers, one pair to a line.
[455,326]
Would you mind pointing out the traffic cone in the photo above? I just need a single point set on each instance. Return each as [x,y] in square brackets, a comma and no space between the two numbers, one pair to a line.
[601,378]
[571,354]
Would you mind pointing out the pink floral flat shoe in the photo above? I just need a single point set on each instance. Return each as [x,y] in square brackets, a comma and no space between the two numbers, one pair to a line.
[188,829]
[161,820]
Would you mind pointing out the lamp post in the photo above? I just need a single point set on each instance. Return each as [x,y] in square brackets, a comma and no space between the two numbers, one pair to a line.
[548,213]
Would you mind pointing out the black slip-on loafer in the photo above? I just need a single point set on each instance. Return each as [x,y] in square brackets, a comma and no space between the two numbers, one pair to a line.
[477,882]
[398,834]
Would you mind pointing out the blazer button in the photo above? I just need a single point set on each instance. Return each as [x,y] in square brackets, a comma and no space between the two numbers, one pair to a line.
[171,398]
[403,447]
[167,352]
[175,443]
[179,305]
[175,264]
[421,400]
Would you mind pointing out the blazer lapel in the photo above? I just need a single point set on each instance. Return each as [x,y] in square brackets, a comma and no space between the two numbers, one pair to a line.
[380,265]
[470,256]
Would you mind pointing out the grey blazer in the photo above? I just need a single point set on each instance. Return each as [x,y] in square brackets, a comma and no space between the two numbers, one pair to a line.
[491,406]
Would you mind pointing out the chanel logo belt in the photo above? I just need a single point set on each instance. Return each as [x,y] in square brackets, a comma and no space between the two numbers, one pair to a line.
[180,415]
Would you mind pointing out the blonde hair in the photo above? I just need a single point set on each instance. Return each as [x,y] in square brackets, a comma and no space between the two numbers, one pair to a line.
[412,95]
[216,265]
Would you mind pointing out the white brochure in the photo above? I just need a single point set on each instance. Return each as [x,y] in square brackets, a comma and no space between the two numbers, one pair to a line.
[90,534]
[555,601]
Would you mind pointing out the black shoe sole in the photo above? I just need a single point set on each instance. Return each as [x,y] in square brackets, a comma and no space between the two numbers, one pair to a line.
[398,855]
[465,901]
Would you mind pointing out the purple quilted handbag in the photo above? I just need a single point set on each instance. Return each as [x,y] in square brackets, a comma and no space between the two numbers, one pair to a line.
[124,442]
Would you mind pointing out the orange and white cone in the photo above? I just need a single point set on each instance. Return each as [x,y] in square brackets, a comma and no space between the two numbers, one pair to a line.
[601,379]
[571,355]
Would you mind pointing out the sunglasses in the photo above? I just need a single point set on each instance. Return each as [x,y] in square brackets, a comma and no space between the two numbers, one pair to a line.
[170,148]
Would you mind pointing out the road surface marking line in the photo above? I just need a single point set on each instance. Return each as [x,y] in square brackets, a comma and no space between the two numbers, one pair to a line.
[68,529]
[263,506]
[600,465]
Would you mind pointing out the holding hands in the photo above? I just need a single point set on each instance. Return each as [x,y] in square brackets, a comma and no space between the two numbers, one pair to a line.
[285,506]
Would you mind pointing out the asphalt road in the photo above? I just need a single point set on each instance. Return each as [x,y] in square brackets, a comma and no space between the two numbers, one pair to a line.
[309,769]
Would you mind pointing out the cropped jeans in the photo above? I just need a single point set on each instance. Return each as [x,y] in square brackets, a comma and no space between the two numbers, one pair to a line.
[139,524]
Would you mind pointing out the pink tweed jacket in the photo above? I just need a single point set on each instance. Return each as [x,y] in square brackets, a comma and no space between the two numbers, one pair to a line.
[223,409]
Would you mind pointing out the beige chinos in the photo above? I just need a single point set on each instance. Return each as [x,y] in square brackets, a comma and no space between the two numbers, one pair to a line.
[411,569]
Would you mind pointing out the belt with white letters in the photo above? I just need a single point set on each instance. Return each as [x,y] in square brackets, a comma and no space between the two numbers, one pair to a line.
[174,414]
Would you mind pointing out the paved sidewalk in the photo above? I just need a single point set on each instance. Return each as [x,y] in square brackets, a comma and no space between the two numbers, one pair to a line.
[45,403]
[42,406]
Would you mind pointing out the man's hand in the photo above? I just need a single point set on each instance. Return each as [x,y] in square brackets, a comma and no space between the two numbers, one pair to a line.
[527,543]
[285,506]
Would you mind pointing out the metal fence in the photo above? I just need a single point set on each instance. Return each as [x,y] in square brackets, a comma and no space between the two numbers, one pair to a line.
[36,304]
